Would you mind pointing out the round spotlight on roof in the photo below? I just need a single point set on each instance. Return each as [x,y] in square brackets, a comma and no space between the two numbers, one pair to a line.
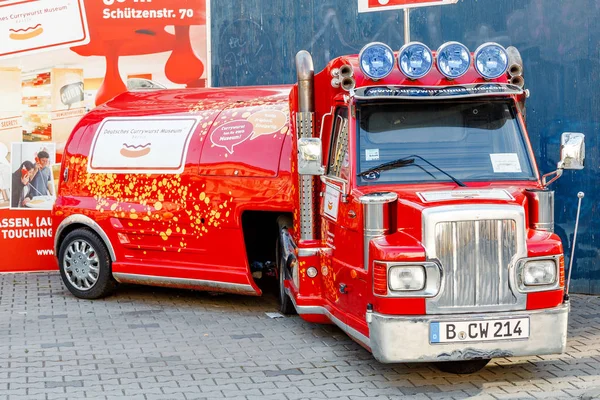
[415,60]
[376,60]
[491,60]
[453,60]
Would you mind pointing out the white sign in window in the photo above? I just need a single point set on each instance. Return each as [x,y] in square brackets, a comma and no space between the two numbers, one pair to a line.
[371,154]
[505,162]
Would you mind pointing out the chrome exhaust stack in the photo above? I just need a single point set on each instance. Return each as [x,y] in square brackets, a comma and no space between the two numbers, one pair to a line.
[376,214]
[304,129]
[541,209]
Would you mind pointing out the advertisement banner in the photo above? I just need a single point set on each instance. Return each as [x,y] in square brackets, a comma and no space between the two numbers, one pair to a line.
[386,5]
[58,60]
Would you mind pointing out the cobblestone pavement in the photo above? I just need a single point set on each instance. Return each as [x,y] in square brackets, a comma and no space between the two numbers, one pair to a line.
[148,343]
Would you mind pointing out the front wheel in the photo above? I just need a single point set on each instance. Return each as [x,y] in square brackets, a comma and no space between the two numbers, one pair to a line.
[85,265]
[462,367]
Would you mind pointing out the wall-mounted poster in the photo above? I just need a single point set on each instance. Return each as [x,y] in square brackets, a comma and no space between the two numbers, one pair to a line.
[58,60]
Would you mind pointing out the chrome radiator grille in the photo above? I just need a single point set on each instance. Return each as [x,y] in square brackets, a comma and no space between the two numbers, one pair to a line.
[475,256]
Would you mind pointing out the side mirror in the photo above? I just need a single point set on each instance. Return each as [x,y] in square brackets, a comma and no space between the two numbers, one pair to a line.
[572,151]
[310,156]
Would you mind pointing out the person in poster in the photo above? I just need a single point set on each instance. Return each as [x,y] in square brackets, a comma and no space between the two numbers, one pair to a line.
[20,184]
[39,190]
[41,183]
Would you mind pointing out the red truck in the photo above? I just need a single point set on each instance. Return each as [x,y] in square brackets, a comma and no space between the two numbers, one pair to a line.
[393,194]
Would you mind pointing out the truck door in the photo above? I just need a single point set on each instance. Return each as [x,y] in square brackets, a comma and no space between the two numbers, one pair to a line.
[344,276]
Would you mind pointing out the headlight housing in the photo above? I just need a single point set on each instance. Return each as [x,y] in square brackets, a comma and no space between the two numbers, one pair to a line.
[406,278]
[539,272]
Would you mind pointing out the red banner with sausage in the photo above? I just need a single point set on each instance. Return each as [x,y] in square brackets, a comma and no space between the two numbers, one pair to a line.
[104,48]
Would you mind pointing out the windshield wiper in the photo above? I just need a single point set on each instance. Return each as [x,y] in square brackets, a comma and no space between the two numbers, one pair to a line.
[402,162]
[406,161]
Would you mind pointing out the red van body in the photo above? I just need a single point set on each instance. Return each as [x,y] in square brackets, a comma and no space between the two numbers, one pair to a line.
[222,202]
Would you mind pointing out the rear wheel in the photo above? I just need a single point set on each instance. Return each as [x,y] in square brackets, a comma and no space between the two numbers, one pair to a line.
[286,306]
[85,265]
[462,367]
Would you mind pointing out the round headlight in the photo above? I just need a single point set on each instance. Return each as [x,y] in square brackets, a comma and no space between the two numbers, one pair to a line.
[453,60]
[415,60]
[491,60]
[311,272]
[376,60]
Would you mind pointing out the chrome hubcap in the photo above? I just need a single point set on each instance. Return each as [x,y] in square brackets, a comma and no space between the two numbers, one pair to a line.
[81,265]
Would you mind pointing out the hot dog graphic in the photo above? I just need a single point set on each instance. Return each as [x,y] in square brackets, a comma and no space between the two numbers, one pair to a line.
[135,151]
[26,33]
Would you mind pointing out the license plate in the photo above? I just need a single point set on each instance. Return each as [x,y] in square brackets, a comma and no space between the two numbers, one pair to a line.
[479,330]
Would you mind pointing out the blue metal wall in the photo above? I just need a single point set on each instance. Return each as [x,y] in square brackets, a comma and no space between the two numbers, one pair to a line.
[254,43]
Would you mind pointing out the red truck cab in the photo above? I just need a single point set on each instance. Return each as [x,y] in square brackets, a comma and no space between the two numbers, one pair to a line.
[409,211]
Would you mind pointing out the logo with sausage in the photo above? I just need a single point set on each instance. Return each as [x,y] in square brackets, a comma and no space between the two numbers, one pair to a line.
[26,33]
[135,151]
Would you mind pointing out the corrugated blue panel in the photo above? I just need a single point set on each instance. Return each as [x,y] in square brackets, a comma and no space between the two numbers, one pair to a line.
[255,41]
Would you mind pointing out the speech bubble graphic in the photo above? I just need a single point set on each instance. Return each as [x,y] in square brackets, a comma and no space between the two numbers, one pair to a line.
[231,134]
[267,122]
[72,93]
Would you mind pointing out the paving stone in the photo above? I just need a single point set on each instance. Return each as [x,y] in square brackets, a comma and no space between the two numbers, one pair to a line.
[153,343]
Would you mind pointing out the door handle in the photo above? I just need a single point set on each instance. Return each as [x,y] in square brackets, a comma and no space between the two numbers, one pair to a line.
[343,288]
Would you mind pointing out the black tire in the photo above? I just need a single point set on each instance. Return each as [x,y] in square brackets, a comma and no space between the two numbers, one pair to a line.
[286,306]
[70,261]
[462,367]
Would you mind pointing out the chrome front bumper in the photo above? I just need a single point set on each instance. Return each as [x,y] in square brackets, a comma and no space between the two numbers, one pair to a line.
[406,339]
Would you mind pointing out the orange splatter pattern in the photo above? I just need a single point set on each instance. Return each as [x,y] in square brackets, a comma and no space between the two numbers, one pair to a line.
[158,205]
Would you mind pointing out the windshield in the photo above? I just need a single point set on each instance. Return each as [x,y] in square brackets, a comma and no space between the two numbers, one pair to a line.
[471,141]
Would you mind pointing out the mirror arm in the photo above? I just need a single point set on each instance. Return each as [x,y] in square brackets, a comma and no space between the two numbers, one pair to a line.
[558,174]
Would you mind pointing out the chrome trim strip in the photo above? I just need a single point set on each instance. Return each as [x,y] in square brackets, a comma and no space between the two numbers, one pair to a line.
[183,282]
[311,252]
[318,310]
[90,223]
[477,316]
[458,195]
